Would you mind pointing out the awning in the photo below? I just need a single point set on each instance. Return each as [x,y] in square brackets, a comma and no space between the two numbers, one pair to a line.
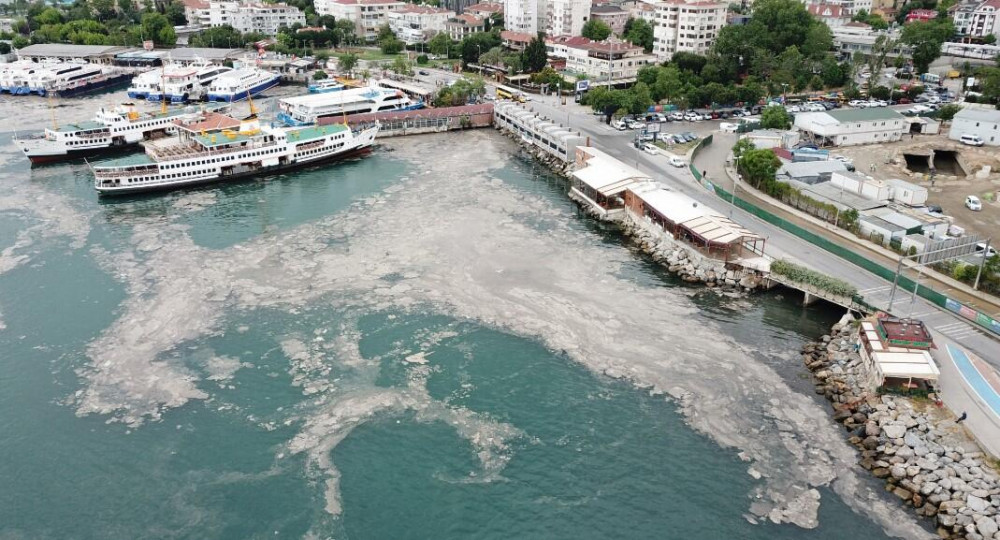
[609,179]
[719,230]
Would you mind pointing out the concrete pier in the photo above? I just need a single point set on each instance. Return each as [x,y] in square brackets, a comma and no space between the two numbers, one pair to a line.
[416,122]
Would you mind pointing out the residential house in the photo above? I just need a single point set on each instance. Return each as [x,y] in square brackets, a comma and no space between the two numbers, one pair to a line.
[461,26]
[367,15]
[613,16]
[197,12]
[414,23]
[690,27]
[516,41]
[484,10]
[833,15]
[246,17]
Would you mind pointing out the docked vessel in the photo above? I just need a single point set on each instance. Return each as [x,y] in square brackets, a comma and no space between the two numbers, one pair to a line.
[144,83]
[309,109]
[110,130]
[64,79]
[239,84]
[213,147]
[183,84]
[324,86]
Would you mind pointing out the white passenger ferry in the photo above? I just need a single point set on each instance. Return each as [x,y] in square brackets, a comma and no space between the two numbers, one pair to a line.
[325,85]
[186,83]
[64,79]
[309,109]
[240,83]
[110,130]
[213,147]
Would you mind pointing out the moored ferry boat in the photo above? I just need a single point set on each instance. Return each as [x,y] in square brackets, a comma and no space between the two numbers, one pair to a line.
[239,84]
[110,130]
[180,85]
[325,85]
[309,109]
[64,79]
[213,147]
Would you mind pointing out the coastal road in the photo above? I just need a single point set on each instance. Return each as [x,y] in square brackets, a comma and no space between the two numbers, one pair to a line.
[780,243]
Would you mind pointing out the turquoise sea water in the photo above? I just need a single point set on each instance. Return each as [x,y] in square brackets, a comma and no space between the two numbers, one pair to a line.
[484,433]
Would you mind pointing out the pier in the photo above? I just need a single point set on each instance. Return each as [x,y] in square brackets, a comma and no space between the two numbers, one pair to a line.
[420,121]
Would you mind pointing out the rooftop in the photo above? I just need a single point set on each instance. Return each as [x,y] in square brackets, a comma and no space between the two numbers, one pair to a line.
[905,332]
[810,168]
[186,54]
[606,175]
[67,50]
[864,115]
[425,10]
[521,37]
[466,19]
[605,8]
[486,7]
[209,121]
[982,114]
[81,126]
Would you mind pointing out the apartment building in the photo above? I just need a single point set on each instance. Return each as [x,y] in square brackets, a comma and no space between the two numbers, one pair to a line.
[254,17]
[198,12]
[414,24]
[613,16]
[525,16]
[603,62]
[645,11]
[461,26]
[983,20]
[367,15]
[566,17]
[859,37]
[686,26]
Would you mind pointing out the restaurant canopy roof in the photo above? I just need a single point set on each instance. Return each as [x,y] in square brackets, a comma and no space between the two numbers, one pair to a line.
[719,230]
[609,177]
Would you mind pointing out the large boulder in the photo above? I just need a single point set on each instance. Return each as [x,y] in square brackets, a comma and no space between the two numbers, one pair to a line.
[987,526]
[976,504]
[894,431]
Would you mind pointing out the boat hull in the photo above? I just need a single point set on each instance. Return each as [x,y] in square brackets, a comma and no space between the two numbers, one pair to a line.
[45,159]
[265,172]
[110,82]
[240,96]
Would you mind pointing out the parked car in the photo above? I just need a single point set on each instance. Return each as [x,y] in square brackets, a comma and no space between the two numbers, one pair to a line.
[423,72]
[727,127]
[973,203]
[680,139]
[981,249]
[855,103]
[619,125]
[918,109]
[632,124]
[650,149]
[971,140]
[690,136]
[677,116]
[692,117]
[677,162]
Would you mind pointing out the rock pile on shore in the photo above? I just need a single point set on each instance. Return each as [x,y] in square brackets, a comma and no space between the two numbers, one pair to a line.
[921,463]
[685,261]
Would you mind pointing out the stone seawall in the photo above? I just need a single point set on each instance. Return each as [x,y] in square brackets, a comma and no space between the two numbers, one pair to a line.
[927,459]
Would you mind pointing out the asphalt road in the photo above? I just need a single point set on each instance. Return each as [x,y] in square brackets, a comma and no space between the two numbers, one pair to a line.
[779,243]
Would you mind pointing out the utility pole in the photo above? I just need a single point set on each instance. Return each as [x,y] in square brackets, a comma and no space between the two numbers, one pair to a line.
[986,255]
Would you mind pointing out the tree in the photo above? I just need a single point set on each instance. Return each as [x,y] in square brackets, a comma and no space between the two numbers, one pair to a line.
[535,55]
[596,30]
[401,66]
[552,78]
[639,32]
[742,146]
[384,32]
[463,91]
[492,57]
[391,45]
[319,75]
[758,166]
[347,62]
[925,39]
[218,36]
[948,112]
[49,16]
[174,12]
[476,44]
[440,44]
[775,117]
[989,39]
[103,9]
[157,28]
[422,60]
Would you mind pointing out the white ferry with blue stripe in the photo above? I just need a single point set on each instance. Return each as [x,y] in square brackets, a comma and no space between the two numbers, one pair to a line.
[182,84]
[326,85]
[241,83]
[313,108]
[218,148]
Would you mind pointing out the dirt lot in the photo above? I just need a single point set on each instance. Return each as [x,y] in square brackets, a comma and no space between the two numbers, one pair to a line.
[948,190]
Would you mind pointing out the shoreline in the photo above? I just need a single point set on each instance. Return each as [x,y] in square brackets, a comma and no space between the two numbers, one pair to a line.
[924,456]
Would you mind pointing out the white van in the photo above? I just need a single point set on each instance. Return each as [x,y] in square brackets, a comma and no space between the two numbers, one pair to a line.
[971,140]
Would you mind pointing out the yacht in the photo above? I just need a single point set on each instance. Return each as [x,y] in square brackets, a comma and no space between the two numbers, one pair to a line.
[213,147]
[311,108]
[111,129]
[240,83]
[324,86]
[180,85]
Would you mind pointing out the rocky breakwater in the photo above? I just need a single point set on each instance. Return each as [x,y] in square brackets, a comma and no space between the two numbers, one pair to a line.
[923,456]
[685,261]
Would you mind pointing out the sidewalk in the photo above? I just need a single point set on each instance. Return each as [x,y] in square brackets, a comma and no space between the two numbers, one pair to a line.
[713,160]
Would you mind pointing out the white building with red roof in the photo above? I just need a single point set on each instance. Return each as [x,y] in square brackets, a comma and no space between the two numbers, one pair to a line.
[833,15]
[484,9]
[985,20]
[197,12]
[461,26]
[516,41]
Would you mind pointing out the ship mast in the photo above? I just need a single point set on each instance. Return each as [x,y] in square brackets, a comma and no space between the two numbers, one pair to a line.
[52,111]
[163,88]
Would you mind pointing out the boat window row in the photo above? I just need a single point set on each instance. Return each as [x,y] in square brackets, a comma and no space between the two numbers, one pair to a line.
[93,141]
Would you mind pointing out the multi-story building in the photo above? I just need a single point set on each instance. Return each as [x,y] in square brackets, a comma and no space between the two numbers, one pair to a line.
[566,17]
[367,15]
[559,46]
[985,20]
[526,16]
[606,62]
[980,120]
[254,17]
[461,26]
[683,26]
[414,24]
[613,16]
[645,11]
[197,12]
[516,41]
[484,10]
[859,37]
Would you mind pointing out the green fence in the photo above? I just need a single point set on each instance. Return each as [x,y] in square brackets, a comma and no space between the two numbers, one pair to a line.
[701,144]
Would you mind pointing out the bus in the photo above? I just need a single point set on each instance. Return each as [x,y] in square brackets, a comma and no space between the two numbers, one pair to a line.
[506,92]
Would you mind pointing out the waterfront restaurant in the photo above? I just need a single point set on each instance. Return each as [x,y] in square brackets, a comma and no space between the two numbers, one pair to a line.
[600,181]
[713,234]
[895,354]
